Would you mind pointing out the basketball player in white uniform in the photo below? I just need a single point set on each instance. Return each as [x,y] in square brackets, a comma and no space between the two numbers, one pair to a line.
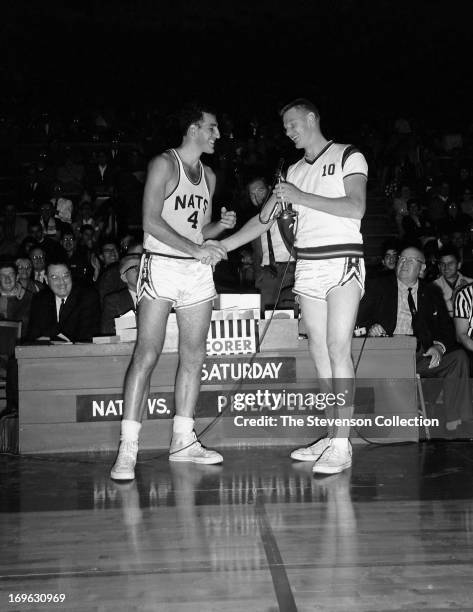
[327,189]
[175,273]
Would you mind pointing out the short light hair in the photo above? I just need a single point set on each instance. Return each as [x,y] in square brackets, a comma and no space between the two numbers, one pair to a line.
[301,103]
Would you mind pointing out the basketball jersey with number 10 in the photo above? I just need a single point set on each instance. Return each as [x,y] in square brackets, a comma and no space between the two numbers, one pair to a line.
[324,176]
[186,210]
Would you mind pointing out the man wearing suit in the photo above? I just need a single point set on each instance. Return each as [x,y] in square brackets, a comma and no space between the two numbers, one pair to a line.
[404,305]
[119,302]
[64,308]
[101,176]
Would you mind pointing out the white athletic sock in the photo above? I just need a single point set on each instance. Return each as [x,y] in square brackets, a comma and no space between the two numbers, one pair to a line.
[341,443]
[130,430]
[182,426]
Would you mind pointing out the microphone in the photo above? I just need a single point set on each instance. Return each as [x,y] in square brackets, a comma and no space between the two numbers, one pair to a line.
[279,174]
[280,179]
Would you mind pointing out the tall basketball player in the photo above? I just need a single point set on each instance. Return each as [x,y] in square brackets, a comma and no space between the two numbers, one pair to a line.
[327,188]
[175,272]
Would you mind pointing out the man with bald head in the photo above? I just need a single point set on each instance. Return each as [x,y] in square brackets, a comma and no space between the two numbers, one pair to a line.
[404,305]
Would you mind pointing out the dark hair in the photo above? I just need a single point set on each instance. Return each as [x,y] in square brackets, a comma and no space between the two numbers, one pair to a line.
[105,241]
[192,113]
[449,250]
[58,261]
[8,263]
[37,246]
[301,103]
[258,177]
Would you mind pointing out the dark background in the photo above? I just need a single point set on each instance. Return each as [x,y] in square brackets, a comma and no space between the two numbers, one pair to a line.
[358,59]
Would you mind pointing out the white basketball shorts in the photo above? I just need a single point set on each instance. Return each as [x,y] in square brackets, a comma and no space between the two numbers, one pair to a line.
[183,282]
[316,277]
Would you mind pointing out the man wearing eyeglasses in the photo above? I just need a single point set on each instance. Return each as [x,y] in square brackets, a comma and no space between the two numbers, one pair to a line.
[405,305]
[119,302]
[64,310]
[38,260]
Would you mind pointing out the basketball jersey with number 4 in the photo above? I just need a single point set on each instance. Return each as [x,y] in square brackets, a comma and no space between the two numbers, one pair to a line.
[186,210]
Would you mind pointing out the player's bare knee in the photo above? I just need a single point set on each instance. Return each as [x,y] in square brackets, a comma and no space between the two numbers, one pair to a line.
[339,352]
[192,355]
[145,357]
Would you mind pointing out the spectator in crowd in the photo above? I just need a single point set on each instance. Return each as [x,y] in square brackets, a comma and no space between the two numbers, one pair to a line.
[270,257]
[431,255]
[450,279]
[126,241]
[8,246]
[405,305]
[100,176]
[52,226]
[38,260]
[455,220]
[87,249]
[109,254]
[389,254]
[416,228]
[61,206]
[400,206]
[71,174]
[15,300]
[26,245]
[108,220]
[64,309]
[84,217]
[110,280]
[466,202]
[32,192]
[25,275]
[15,227]
[82,271]
[50,246]
[45,173]
[119,302]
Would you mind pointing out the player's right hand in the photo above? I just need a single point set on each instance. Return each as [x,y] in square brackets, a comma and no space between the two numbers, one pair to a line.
[211,252]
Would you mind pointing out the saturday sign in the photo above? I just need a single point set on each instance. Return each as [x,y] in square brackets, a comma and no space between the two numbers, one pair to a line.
[232,369]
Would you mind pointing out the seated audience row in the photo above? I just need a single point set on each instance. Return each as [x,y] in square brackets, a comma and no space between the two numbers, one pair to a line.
[403,303]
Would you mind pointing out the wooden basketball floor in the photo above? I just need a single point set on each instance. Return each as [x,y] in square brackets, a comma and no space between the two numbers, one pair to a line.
[258,534]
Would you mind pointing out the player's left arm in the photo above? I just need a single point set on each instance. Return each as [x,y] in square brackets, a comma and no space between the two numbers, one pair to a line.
[228,217]
[352,205]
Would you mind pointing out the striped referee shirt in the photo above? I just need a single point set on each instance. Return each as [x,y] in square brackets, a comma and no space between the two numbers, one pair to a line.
[463,306]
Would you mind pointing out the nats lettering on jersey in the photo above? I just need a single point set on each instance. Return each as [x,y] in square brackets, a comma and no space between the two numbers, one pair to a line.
[193,201]
[187,209]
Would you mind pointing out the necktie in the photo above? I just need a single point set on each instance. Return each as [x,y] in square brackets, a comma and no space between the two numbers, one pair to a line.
[61,308]
[272,260]
[413,311]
